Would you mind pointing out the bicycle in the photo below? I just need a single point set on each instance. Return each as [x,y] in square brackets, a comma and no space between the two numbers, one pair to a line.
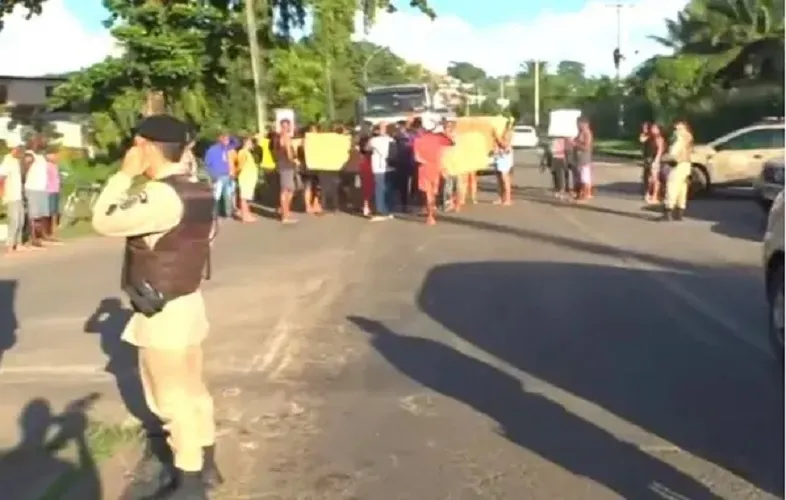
[79,204]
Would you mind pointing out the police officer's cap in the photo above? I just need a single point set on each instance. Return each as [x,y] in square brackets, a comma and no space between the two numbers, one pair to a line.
[163,128]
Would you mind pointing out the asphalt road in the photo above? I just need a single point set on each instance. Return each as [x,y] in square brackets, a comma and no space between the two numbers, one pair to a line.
[541,351]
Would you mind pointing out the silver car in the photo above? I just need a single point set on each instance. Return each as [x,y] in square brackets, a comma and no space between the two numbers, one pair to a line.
[769,183]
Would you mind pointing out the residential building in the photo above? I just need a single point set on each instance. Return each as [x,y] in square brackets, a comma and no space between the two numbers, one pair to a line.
[23,104]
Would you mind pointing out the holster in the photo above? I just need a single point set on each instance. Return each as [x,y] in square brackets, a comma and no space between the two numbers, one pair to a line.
[145,299]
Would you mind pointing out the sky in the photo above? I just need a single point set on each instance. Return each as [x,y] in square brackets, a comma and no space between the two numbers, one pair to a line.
[496,35]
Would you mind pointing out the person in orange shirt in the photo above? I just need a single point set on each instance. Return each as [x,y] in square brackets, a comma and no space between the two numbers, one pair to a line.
[428,148]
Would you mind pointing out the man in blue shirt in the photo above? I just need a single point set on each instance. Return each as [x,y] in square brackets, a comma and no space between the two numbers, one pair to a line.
[217,166]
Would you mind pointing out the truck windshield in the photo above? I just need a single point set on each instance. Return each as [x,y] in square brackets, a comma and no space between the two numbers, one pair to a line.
[394,101]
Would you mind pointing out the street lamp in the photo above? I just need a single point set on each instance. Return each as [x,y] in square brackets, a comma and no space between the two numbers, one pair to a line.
[366,63]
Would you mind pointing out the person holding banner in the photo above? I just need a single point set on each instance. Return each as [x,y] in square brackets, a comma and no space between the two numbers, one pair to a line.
[450,182]
[504,164]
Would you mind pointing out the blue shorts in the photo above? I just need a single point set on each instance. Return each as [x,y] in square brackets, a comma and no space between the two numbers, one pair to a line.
[54,203]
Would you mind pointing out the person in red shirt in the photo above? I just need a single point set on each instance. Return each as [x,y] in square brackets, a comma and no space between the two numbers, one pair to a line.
[428,148]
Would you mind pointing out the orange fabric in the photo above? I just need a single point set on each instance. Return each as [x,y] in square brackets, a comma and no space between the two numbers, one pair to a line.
[234,167]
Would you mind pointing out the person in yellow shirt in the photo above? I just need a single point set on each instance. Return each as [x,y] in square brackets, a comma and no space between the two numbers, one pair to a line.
[247,176]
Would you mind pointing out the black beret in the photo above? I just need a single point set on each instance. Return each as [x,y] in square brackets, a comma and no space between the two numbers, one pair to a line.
[163,128]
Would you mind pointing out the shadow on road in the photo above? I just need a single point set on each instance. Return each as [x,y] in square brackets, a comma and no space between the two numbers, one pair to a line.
[733,212]
[531,420]
[8,322]
[108,321]
[545,197]
[31,469]
[610,336]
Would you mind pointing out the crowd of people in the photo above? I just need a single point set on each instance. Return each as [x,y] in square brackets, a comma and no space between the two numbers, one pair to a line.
[399,167]
[30,192]
[570,161]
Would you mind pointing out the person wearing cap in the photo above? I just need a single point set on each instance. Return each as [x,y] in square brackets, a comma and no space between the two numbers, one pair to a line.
[168,226]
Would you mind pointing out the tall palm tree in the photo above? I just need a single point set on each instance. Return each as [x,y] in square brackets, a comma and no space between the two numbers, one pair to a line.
[740,38]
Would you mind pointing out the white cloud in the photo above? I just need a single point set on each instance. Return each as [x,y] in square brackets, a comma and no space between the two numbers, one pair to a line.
[57,42]
[588,36]
[54,42]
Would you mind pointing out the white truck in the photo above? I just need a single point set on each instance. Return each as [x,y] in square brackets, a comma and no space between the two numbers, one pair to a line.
[393,103]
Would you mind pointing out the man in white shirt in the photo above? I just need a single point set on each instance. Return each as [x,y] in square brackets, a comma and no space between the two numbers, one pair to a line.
[11,182]
[379,145]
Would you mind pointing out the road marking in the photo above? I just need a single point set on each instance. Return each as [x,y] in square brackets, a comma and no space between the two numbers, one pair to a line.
[708,310]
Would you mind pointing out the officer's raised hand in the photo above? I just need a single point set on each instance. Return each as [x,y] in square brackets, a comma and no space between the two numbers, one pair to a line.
[129,205]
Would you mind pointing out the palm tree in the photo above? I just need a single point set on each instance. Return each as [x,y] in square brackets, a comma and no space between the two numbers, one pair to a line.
[740,38]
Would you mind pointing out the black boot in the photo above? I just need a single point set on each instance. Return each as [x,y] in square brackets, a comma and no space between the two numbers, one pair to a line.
[187,486]
[211,476]
[677,214]
[668,215]
[155,470]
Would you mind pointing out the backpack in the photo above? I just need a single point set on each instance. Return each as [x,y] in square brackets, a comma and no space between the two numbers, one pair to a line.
[393,159]
[257,153]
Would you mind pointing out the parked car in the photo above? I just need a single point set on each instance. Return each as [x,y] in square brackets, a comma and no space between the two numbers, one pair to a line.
[736,158]
[769,183]
[524,136]
[773,273]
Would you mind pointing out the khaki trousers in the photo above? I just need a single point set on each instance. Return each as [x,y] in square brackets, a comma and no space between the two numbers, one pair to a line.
[175,391]
[677,186]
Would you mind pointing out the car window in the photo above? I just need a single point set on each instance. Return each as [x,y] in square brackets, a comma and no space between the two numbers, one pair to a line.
[763,138]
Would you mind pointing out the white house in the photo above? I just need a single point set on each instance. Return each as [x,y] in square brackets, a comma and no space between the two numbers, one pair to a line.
[24,99]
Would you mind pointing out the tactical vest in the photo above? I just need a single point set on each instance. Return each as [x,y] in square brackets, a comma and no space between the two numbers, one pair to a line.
[176,264]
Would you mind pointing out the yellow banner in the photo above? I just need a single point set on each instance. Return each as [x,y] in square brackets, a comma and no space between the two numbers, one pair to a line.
[268,162]
[327,151]
[489,126]
[469,154]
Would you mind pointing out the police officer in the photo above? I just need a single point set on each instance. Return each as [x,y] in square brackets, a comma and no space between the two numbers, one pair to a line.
[168,225]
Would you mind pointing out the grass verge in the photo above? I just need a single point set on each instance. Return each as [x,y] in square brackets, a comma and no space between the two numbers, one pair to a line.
[618,147]
[103,441]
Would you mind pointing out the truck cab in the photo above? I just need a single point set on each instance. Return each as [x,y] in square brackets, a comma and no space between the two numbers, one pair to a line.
[393,103]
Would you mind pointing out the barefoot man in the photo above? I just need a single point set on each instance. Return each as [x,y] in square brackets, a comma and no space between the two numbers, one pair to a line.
[428,148]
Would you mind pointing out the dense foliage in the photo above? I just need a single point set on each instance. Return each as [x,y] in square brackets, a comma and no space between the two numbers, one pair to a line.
[192,58]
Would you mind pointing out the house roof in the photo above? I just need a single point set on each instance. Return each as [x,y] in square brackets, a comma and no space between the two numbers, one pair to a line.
[44,78]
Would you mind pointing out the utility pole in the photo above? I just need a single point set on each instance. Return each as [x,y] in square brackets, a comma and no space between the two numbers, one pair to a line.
[537,93]
[618,58]
[367,62]
[331,108]
[256,63]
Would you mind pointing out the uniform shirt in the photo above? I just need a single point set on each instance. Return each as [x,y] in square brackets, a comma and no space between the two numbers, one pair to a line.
[154,211]
[11,172]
